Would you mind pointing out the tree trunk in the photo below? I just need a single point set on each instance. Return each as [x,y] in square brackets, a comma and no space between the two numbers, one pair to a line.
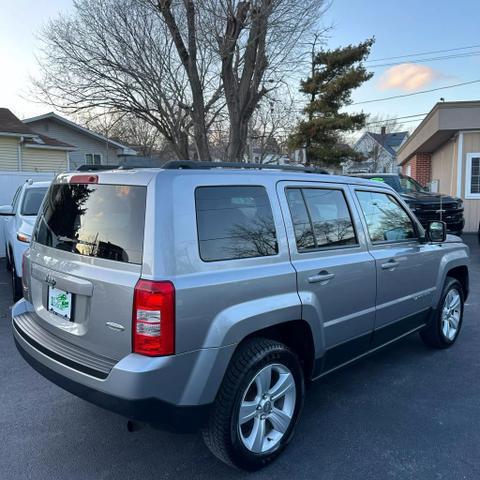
[237,139]
[188,55]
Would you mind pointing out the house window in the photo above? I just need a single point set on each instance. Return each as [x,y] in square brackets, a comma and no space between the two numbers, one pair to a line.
[472,181]
[93,158]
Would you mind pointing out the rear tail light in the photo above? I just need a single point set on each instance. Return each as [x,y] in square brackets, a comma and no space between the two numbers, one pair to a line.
[154,318]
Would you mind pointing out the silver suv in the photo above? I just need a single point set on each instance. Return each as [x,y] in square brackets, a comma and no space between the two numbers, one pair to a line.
[209,297]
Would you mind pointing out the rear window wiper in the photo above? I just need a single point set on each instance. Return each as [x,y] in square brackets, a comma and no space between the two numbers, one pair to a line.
[67,239]
[75,241]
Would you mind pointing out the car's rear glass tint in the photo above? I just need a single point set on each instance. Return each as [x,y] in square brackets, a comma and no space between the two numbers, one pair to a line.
[234,222]
[32,200]
[103,221]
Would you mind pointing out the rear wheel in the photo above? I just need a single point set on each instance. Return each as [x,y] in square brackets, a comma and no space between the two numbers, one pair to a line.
[446,323]
[258,405]
[17,291]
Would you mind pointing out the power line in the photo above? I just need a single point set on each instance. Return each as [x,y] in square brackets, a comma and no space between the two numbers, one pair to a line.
[416,93]
[431,59]
[386,120]
[422,53]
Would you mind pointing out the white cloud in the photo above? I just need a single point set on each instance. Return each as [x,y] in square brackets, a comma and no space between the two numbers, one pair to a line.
[408,77]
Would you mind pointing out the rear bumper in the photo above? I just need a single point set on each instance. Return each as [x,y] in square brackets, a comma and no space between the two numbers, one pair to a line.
[156,412]
[174,393]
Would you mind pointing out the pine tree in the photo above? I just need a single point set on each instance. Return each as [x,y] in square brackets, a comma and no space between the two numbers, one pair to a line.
[335,73]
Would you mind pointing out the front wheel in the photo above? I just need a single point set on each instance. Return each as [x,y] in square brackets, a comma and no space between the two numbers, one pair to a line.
[258,405]
[446,322]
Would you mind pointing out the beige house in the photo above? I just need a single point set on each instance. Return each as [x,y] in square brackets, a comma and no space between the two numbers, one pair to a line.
[444,151]
[24,150]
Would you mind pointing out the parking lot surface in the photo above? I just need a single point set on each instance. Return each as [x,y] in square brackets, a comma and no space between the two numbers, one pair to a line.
[405,413]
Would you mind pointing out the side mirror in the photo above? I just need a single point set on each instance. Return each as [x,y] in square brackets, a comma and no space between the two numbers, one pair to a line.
[6,210]
[437,232]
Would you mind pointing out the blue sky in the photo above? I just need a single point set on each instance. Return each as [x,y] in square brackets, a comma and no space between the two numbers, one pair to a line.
[400,28]
[406,27]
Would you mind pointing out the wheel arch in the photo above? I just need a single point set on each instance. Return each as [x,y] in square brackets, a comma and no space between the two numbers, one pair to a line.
[296,335]
[460,273]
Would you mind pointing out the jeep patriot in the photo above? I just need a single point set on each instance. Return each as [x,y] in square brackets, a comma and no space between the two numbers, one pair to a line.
[208,296]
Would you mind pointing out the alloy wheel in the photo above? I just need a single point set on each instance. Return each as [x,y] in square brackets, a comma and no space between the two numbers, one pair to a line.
[451,314]
[267,408]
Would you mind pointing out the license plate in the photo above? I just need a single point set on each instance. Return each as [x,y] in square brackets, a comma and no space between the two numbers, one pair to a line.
[60,302]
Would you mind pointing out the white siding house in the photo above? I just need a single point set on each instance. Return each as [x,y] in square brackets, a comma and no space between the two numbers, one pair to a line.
[24,150]
[91,147]
[380,152]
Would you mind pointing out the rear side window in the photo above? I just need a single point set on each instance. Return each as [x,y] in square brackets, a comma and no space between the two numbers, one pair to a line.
[321,218]
[234,222]
[103,221]
[386,220]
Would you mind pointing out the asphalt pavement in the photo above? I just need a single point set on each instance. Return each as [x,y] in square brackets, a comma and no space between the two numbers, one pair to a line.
[405,413]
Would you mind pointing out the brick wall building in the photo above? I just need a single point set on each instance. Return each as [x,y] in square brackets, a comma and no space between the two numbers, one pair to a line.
[419,167]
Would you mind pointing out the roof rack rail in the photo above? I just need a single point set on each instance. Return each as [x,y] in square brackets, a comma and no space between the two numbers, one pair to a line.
[198,165]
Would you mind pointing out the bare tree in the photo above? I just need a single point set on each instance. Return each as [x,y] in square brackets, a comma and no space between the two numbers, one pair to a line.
[255,42]
[175,64]
[126,129]
[117,55]
[271,124]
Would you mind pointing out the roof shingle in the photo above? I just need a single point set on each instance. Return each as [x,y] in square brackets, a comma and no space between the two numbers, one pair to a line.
[46,141]
[390,141]
[9,123]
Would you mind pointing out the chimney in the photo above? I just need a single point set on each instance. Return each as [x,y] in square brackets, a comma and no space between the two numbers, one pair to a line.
[383,131]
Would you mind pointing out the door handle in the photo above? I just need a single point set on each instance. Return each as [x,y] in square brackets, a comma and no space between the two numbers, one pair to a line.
[323,276]
[390,265]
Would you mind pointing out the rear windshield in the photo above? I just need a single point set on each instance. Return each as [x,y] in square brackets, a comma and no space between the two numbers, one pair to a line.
[103,221]
[401,184]
[32,200]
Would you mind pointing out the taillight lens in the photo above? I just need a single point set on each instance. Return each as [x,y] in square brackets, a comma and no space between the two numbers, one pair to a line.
[154,318]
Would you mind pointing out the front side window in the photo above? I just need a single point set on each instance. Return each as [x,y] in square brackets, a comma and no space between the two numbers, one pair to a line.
[386,220]
[102,221]
[321,218]
[32,200]
[234,222]
[472,187]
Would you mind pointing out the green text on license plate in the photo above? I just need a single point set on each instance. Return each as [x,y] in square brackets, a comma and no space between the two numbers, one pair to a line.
[60,302]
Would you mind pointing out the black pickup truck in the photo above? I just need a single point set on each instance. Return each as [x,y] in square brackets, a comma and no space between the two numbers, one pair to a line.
[427,206]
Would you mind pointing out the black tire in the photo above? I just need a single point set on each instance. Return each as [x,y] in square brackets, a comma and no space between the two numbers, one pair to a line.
[7,256]
[432,335]
[222,432]
[17,289]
